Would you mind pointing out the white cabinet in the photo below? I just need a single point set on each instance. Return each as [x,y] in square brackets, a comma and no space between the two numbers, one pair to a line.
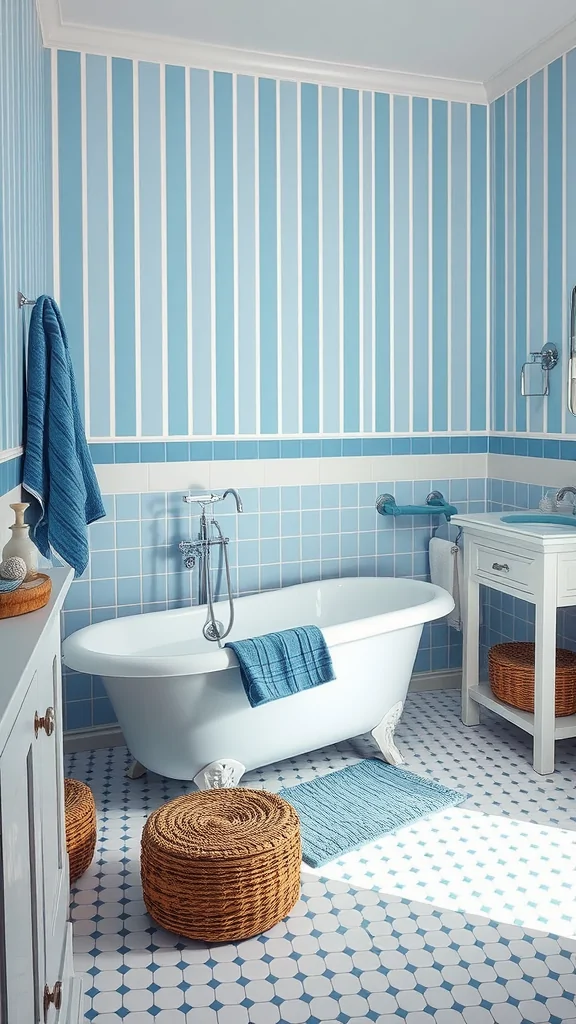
[37,985]
[537,563]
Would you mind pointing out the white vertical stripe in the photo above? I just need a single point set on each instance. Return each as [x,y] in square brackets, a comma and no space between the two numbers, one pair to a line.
[449,270]
[512,421]
[563,347]
[111,296]
[361,368]
[188,251]
[164,253]
[278,263]
[320,265]
[235,251]
[257,247]
[340,261]
[528,238]
[506,244]
[85,267]
[410,263]
[545,239]
[373,248]
[392,267]
[469,268]
[430,271]
[55,176]
[299,245]
[137,310]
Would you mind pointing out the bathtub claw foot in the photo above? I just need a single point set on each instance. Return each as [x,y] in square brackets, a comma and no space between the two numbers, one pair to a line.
[224,774]
[384,735]
[136,770]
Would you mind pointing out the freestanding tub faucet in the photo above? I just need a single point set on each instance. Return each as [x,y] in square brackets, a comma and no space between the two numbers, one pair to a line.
[561,494]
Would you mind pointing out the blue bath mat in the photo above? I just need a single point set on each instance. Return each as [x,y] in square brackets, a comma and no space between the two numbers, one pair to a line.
[344,810]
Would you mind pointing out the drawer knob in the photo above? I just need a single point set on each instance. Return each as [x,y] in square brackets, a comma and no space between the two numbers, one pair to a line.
[52,996]
[500,567]
[46,722]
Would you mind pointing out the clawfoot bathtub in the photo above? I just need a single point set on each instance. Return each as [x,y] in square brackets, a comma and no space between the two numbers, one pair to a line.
[179,698]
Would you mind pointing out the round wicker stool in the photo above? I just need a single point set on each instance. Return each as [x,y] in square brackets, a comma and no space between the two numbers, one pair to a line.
[222,864]
[511,672]
[80,813]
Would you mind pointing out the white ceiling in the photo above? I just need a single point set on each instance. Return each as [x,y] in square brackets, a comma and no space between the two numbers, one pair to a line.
[464,40]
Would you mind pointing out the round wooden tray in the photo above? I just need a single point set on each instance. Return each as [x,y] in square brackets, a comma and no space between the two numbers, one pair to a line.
[28,598]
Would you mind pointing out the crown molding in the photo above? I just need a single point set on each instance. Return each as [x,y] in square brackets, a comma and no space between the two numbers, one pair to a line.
[169,50]
[531,61]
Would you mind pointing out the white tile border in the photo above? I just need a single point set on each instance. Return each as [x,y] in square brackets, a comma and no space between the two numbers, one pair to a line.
[173,476]
[541,472]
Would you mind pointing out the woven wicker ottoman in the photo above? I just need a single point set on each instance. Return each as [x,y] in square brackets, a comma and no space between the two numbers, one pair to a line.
[222,864]
[80,814]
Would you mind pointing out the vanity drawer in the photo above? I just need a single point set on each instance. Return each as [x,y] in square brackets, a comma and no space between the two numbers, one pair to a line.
[512,571]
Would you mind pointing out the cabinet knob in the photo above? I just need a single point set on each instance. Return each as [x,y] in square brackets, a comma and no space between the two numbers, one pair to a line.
[47,722]
[500,567]
[52,996]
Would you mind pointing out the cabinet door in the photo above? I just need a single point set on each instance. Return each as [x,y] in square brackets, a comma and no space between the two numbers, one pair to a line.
[48,754]
[21,855]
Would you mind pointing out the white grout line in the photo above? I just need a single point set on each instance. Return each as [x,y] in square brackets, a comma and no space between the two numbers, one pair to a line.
[213,408]
[137,310]
[392,268]
[85,268]
[189,320]
[111,296]
[279,345]
[340,262]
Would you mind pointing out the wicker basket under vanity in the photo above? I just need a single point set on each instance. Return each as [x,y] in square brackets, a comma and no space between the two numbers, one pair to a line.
[511,673]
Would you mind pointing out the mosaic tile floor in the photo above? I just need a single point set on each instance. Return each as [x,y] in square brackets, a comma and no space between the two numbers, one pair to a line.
[468,917]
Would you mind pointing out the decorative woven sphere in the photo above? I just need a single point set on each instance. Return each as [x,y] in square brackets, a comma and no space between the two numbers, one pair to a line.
[13,568]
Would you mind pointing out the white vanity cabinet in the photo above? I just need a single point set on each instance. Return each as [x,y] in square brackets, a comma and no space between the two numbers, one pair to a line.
[37,984]
[537,563]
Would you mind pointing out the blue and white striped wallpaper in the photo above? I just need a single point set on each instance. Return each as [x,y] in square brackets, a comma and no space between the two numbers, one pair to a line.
[25,251]
[533,129]
[240,257]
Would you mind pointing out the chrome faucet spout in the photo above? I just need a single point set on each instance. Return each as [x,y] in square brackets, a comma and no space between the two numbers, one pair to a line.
[236,496]
[561,494]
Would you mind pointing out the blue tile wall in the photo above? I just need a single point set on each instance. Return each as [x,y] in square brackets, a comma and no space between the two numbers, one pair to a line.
[104,453]
[10,474]
[286,535]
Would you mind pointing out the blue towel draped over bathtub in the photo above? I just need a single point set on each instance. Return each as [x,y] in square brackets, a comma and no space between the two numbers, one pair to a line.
[280,664]
[58,470]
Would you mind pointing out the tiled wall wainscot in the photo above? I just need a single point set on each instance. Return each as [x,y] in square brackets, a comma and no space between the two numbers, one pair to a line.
[286,535]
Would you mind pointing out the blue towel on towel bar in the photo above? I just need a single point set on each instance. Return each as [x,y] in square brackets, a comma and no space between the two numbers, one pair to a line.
[280,664]
[58,470]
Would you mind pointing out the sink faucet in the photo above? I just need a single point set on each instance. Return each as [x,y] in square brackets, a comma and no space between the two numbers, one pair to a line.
[561,494]
[237,499]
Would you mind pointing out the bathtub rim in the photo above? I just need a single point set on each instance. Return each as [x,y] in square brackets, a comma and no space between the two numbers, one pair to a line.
[78,656]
